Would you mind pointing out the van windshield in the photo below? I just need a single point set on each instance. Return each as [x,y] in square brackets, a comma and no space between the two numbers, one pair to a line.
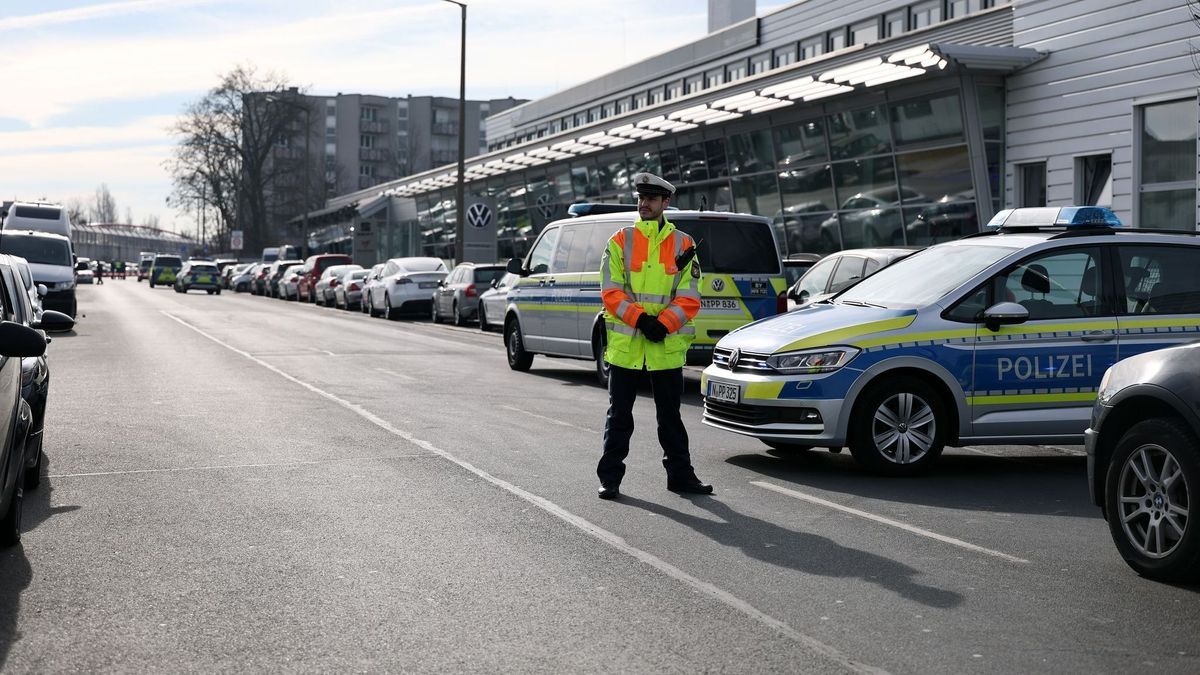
[37,250]
[908,283]
[167,261]
[733,246]
[39,212]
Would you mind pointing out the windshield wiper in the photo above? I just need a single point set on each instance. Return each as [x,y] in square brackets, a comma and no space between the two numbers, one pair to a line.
[862,303]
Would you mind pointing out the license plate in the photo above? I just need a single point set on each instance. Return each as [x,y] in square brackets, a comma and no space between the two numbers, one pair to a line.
[204,280]
[719,391]
[427,284]
[719,303]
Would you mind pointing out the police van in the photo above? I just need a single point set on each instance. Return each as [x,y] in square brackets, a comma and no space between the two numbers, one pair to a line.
[555,308]
[1000,337]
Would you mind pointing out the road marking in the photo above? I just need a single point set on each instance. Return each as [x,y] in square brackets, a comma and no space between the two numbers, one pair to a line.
[216,467]
[888,521]
[402,376]
[586,526]
[550,419]
[323,351]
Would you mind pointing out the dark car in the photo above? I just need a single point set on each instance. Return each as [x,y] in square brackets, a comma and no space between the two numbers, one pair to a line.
[35,371]
[1143,451]
[457,296]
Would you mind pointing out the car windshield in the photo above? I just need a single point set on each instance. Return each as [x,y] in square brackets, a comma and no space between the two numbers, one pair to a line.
[37,250]
[908,284]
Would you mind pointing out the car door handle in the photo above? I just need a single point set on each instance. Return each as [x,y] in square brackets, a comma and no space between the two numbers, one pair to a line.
[1098,336]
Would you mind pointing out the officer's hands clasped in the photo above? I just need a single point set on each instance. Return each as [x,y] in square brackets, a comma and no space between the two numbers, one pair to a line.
[652,328]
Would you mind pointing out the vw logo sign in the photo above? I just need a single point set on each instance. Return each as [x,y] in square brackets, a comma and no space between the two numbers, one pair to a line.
[544,206]
[479,216]
[718,285]
[734,358]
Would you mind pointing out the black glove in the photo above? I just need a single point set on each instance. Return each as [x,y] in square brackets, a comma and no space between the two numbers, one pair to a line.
[651,328]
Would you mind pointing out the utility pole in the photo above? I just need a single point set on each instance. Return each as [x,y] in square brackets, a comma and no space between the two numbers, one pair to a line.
[461,187]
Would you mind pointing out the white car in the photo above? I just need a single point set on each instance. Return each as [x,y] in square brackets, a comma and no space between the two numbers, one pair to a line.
[405,286]
[34,291]
[372,280]
[347,294]
[289,283]
[329,281]
[493,302]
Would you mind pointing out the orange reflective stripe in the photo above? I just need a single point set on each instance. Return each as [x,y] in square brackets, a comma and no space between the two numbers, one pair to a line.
[666,252]
[670,318]
[641,250]
[619,237]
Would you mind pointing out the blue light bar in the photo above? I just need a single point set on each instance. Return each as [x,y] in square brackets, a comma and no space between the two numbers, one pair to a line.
[1054,216]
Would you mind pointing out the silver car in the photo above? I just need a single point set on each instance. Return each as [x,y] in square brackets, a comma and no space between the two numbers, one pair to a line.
[373,279]
[347,293]
[323,289]
[494,300]
[289,283]
[34,291]
[457,295]
[839,271]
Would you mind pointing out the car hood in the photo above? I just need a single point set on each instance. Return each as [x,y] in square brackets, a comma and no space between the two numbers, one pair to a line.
[43,273]
[817,325]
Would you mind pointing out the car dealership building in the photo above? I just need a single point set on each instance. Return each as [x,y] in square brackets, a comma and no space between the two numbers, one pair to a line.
[846,122]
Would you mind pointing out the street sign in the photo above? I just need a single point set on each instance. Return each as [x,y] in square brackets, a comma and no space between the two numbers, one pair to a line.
[236,242]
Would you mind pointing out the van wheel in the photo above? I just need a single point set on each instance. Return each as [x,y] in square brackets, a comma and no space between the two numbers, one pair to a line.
[898,427]
[599,344]
[1150,489]
[518,358]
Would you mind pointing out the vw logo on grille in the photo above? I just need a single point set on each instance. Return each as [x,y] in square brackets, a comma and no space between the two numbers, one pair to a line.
[734,358]
[544,206]
[479,216]
[718,285]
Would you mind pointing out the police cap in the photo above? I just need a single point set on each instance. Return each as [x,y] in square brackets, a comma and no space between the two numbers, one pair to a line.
[649,185]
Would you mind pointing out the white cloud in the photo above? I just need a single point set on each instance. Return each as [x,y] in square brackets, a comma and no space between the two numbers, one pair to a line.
[105,10]
[141,131]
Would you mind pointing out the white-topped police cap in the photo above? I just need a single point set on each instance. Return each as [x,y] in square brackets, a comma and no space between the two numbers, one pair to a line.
[648,184]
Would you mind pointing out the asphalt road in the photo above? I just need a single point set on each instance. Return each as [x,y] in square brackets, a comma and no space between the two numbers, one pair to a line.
[237,483]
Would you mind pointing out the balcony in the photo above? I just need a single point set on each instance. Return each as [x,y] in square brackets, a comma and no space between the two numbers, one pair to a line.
[445,128]
[375,154]
[373,126]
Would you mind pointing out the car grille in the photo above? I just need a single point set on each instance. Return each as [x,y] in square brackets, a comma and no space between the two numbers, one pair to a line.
[748,362]
[753,415]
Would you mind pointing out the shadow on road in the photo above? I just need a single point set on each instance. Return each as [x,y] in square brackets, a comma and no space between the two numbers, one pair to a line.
[801,551]
[15,575]
[1046,485]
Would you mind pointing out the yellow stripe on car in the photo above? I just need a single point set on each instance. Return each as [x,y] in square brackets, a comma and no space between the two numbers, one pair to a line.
[843,335]
[1004,399]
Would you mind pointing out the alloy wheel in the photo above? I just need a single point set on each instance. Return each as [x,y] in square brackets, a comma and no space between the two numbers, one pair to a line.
[1154,501]
[904,428]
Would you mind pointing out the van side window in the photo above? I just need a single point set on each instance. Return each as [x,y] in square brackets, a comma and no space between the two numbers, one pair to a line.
[539,257]
[562,254]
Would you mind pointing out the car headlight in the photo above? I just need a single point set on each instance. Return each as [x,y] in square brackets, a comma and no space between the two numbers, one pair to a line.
[1102,393]
[824,360]
[65,285]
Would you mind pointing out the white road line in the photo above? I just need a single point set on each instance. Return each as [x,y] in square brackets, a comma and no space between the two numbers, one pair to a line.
[323,351]
[218,467]
[550,419]
[402,376]
[888,521]
[586,526]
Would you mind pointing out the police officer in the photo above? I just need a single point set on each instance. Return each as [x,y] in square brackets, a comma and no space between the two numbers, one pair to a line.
[650,287]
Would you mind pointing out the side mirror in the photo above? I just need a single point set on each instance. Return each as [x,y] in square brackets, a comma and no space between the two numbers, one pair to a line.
[42,290]
[54,321]
[514,266]
[495,283]
[802,296]
[20,341]
[1004,314]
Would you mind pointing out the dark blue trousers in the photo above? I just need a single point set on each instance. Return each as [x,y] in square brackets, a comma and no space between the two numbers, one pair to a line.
[667,386]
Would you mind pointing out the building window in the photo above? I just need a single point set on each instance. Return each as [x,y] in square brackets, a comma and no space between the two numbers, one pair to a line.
[656,97]
[1093,180]
[926,13]
[691,85]
[639,101]
[714,78]
[895,23]
[735,72]
[956,8]
[366,141]
[837,39]
[1031,179]
[331,149]
[1167,162]
[785,56]
[366,170]
[367,113]
[402,110]
[760,64]
[812,48]
[988,4]
[864,33]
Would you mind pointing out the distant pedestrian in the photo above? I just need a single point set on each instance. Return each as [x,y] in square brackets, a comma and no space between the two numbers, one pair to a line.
[99,272]
[650,287]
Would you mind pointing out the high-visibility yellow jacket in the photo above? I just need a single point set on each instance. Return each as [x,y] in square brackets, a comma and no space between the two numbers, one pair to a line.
[639,275]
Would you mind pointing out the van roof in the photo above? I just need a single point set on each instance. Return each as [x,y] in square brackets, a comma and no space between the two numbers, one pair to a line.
[672,216]
[34,233]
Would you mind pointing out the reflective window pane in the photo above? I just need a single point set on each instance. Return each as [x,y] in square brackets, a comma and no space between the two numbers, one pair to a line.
[995,168]
[756,194]
[801,143]
[871,179]
[653,162]
[751,152]
[936,119]
[1169,209]
[935,175]
[1169,142]
[585,180]
[858,133]
[939,222]
[613,174]
[872,227]
[717,166]
[991,112]
[693,164]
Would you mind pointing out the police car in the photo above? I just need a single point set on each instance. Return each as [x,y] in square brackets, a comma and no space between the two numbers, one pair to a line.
[999,337]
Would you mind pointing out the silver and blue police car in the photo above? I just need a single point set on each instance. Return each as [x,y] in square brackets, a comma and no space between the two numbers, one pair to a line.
[1000,337]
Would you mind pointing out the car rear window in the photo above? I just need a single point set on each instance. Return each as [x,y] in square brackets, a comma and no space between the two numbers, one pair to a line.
[37,250]
[208,269]
[167,261]
[733,246]
[485,275]
[419,265]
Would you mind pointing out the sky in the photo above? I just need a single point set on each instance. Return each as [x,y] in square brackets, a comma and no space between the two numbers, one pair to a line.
[90,89]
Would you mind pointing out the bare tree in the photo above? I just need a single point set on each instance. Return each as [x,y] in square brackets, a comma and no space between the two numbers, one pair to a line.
[77,211]
[104,207]
[235,155]
[128,215]
[151,221]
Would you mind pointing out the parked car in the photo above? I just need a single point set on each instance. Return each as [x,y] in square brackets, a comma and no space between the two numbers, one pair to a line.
[1143,450]
[457,296]
[796,264]
[329,280]
[347,294]
[493,302]
[870,219]
[35,371]
[841,270]
[49,257]
[274,273]
[164,268]
[231,271]
[314,267]
[289,283]
[241,282]
[374,278]
[405,286]
[84,274]
[35,291]
[258,285]
[198,274]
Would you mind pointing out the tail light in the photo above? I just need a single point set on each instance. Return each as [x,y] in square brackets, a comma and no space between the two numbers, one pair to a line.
[471,292]
[354,287]
[403,280]
[781,303]
[333,283]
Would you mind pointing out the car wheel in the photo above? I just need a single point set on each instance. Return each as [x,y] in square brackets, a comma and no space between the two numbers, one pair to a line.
[518,358]
[1152,477]
[387,308]
[210,292]
[483,324]
[599,345]
[458,317]
[217,292]
[434,314]
[898,427]
[786,446]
